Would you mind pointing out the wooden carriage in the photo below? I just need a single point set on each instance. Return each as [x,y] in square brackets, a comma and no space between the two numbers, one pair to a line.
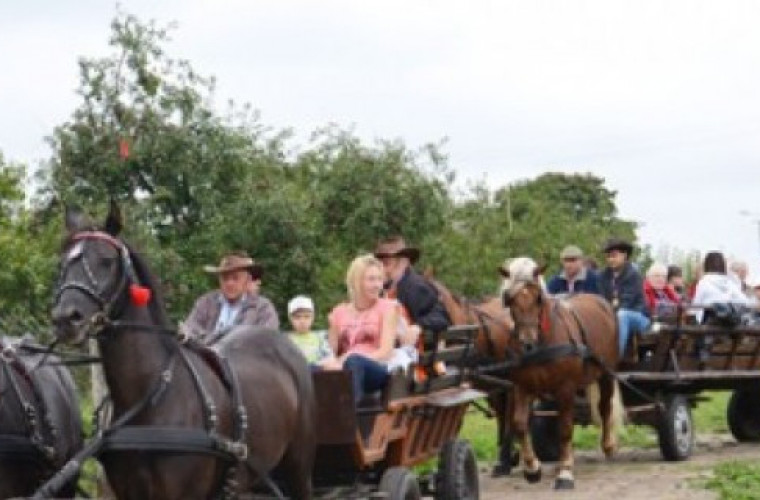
[662,375]
[368,449]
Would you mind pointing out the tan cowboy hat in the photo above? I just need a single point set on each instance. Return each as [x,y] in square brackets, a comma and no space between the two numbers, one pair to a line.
[396,247]
[236,262]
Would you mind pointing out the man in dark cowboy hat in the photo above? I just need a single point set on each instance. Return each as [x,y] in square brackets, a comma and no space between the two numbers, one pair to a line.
[621,284]
[216,312]
[415,293]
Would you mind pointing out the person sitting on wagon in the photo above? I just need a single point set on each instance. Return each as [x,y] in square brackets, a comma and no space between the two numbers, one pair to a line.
[717,287]
[363,331]
[418,296]
[675,280]
[621,284]
[739,270]
[217,311]
[662,299]
[575,277]
[314,346]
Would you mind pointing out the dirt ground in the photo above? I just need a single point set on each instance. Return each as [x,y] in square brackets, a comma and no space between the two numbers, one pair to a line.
[632,474]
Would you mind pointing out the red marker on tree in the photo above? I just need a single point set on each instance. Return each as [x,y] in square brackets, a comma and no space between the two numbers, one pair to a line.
[123,149]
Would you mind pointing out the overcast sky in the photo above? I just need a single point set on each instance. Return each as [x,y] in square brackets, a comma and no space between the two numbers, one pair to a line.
[662,99]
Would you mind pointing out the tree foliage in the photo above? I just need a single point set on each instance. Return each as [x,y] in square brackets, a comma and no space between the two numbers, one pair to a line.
[196,183]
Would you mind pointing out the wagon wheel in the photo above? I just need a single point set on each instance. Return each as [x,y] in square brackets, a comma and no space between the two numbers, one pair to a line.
[675,430]
[544,433]
[399,483]
[744,415]
[457,477]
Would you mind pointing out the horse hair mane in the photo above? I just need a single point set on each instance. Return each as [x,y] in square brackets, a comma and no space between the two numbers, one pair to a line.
[151,281]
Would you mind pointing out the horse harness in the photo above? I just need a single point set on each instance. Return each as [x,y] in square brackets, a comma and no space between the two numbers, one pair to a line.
[120,436]
[38,442]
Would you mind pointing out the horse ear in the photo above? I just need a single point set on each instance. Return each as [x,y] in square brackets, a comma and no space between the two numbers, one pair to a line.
[539,270]
[429,273]
[114,222]
[76,220]
[504,272]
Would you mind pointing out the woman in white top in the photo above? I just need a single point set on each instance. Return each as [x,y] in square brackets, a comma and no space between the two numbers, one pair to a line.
[717,287]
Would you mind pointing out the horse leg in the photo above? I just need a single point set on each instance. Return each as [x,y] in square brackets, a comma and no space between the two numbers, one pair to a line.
[609,411]
[520,418]
[499,403]
[566,410]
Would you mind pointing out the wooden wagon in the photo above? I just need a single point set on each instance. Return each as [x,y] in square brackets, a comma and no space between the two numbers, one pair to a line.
[368,450]
[663,374]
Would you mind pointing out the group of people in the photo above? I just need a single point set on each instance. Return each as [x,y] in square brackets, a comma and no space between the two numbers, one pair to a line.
[661,293]
[376,330]
[371,334]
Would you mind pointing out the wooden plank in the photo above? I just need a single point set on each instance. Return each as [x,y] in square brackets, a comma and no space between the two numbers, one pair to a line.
[691,375]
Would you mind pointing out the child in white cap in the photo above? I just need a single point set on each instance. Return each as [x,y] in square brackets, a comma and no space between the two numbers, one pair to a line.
[313,345]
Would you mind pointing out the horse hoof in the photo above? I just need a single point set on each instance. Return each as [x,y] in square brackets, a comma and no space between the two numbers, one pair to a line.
[501,470]
[533,477]
[564,484]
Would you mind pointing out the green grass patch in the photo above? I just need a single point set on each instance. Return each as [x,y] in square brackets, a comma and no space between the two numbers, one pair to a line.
[709,417]
[736,481]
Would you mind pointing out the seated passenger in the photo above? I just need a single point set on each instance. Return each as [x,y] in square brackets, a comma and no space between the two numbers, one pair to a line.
[575,277]
[418,296]
[662,299]
[676,282]
[717,287]
[620,283]
[217,311]
[313,345]
[739,270]
[363,330]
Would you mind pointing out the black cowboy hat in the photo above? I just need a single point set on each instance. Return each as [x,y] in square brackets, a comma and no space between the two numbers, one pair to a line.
[396,247]
[618,244]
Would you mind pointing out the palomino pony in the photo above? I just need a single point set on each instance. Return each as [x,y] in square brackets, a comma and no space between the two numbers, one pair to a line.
[494,326]
[562,345]
[40,425]
[186,424]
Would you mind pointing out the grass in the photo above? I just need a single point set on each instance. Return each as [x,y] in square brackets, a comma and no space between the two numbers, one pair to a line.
[736,481]
[709,417]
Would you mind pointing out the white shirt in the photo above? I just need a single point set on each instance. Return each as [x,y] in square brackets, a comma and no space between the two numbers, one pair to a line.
[228,313]
[715,288]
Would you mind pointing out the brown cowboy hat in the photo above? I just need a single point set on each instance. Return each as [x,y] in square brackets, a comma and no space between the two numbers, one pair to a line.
[396,247]
[618,244]
[236,262]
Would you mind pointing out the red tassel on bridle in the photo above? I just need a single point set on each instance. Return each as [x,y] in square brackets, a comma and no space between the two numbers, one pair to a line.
[139,295]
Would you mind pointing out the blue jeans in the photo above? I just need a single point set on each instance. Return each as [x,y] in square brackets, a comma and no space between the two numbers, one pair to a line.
[628,322]
[368,375]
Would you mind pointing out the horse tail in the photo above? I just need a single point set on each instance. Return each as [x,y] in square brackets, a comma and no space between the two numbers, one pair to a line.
[593,394]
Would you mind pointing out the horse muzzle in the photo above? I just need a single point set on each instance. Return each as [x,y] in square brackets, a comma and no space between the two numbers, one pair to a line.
[70,324]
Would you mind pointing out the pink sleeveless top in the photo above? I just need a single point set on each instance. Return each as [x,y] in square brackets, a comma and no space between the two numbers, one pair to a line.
[359,331]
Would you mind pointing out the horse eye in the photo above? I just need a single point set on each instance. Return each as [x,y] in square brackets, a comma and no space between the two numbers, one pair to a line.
[107,261]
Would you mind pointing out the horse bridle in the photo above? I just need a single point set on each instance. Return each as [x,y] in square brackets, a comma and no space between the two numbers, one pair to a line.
[107,306]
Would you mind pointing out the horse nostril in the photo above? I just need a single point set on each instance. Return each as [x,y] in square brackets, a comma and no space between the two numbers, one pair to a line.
[66,317]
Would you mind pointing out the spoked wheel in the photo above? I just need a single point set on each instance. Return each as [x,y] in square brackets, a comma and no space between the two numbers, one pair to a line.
[457,477]
[399,483]
[676,429]
[744,415]
[544,433]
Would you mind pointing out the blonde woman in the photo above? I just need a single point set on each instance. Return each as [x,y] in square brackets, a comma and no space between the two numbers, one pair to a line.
[363,330]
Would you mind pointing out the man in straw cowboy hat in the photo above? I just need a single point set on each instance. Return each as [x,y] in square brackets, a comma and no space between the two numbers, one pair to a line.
[217,311]
[415,293]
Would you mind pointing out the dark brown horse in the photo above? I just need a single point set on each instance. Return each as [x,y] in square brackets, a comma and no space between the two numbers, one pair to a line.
[563,346]
[494,326]
[40,425]
[162,384]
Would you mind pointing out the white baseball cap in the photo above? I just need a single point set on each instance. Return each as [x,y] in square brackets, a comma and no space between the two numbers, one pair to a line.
[300,303]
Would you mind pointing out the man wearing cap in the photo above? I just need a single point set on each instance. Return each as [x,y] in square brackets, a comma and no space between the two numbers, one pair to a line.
[621,284]
[216,312]
[415,293]
[574,277]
